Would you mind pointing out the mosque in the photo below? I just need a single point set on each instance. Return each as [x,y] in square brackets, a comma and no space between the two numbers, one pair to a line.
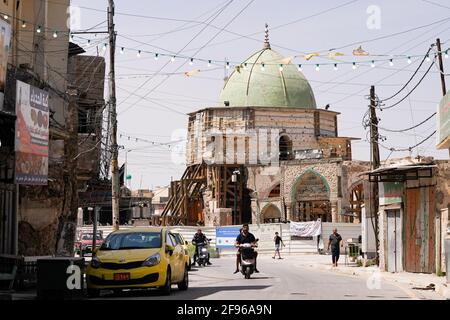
[267,153]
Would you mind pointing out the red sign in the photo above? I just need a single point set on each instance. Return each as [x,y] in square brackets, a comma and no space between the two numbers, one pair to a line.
[121,276]
[32,130]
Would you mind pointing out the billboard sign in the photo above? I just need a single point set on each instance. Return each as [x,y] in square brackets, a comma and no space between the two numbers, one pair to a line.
[226,237]
[5,41]
[391,193]
[443,123]
[32,130]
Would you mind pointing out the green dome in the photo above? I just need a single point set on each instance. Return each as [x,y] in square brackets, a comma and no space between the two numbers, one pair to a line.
[252,87]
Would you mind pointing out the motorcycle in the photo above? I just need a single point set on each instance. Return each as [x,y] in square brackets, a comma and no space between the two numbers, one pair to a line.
[202,253]
[248,259]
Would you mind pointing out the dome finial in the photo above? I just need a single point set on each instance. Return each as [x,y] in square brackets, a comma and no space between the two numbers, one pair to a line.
[266,37]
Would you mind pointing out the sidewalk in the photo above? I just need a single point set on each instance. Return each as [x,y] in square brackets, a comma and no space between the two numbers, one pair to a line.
[405,279]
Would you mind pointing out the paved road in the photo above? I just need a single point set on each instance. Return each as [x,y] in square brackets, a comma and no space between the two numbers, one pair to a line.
[283,279]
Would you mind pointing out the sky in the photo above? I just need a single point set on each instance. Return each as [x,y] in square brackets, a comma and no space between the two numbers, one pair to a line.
[154,96]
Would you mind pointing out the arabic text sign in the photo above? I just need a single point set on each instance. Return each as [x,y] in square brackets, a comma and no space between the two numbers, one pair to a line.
[226,237]
[32,130]
[443,123]
[306,229]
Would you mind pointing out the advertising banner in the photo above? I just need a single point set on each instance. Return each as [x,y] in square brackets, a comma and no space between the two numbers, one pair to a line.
[5,41]
[391,193]
[226,237]
[306,229]
[443,123]
[32,128]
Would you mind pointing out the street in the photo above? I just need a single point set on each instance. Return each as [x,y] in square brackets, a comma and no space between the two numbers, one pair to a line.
[286,279]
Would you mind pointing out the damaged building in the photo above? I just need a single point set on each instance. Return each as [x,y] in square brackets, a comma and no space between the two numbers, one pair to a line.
[267,153]
[414,213]
[40,176]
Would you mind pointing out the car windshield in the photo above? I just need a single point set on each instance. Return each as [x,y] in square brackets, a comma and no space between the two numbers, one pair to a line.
[89,236]
[132,240]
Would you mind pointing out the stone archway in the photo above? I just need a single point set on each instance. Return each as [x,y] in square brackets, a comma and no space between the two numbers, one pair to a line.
[270,214]
[311,198]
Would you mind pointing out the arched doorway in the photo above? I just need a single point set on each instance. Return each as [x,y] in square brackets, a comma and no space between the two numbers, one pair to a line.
[311,195]
[275,192]
[271,214]
[285,146]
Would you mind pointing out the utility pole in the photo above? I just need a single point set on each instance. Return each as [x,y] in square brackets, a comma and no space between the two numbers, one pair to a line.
[375,163]
[374,130]
[441,66]
[113,114]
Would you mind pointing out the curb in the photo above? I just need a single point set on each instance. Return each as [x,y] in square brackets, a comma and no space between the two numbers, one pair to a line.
[440,288]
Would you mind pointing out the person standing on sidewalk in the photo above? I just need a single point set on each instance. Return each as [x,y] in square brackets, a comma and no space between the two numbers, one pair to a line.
[278,241]
[336,243]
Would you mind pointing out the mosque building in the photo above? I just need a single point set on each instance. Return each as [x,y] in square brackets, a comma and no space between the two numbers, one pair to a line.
[267,153]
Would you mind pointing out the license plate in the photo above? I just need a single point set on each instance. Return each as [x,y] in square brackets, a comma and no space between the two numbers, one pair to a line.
[121,276]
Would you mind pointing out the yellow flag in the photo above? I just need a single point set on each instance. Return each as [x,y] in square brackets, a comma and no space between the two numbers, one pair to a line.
[191,73]
[311,55]
[335,54]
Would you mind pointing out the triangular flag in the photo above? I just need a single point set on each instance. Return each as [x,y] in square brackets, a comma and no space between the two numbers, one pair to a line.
[360,52]
[335,54]
[191,73]
[309,56]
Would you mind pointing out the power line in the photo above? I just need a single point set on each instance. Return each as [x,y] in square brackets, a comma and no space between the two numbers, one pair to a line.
[411,78]
[409,148]
[410,128]
[436,4]
[411,91]
[387,36]
[211,18]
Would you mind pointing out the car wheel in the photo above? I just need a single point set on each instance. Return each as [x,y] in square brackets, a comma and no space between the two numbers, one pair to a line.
[165,290]
[185,283]
[93,293]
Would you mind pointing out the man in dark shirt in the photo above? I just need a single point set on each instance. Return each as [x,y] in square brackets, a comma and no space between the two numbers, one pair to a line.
[335,241]
[244,237]
[199,238]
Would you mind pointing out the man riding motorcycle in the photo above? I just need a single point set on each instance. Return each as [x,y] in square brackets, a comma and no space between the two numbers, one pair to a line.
[199,239]
[245,237]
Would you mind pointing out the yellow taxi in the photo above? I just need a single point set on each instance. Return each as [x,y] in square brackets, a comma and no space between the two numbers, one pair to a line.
[148,257]
[188,250]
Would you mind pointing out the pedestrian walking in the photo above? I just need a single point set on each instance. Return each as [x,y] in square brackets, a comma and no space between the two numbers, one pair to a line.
[278,242]
[336,242]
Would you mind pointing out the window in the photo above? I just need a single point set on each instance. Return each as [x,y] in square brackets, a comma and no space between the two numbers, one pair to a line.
[132,240]
[285,146]
[173,239]
[169,240]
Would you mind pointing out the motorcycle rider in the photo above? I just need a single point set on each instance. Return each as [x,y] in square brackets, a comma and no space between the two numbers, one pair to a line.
[200,238]
[245,237]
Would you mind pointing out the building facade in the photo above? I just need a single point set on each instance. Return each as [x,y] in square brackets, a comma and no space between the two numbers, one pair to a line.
[267,153]
[414,214]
